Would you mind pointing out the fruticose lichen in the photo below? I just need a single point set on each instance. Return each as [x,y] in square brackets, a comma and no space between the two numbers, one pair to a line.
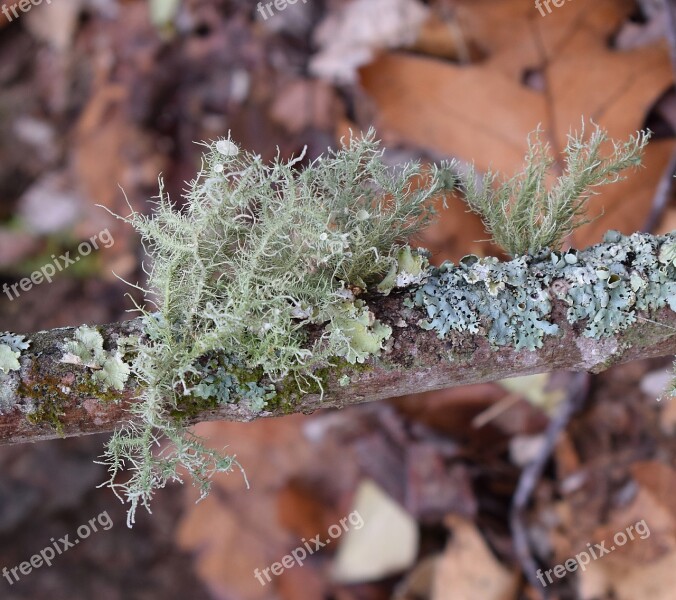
[605,286]
[259,253]
[525,215]
[255,284]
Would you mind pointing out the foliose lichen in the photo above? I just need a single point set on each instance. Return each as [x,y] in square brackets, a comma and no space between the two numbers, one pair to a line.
[355,333]
[410,268]
[11,346]
[86,349]
[219,380]
[606,286]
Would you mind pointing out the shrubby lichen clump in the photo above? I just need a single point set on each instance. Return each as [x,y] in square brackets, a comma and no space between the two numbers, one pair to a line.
[259,252]
[525,215]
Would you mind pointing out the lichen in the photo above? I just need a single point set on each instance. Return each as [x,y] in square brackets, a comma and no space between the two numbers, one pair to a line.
[86,349]
[259,255]
[355,333]
[409,269]
[9,383]
[11,347]
[218,381]
[606,287]
[9,360]
[524,214]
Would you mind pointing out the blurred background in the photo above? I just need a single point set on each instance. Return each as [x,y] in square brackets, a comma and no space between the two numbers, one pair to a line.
[98,97]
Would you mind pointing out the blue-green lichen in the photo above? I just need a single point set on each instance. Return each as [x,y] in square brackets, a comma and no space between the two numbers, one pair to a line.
[224,380]
[606,286]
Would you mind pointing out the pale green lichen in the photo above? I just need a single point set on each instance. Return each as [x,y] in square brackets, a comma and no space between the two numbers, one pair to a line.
[9,359]
[259,253]
[606,286]
[86,349]
[344,380]
[355,333]
[11,346]
[410,269]
[523,216]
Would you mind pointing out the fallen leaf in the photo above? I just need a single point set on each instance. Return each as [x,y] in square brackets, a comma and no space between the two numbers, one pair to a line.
[578,74]
[386,544]
[349,38]
[467,570]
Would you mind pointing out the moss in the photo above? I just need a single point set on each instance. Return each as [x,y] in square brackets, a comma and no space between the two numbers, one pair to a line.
[286,397]
[289,393]
[49,402]
[87,386]
[192,406]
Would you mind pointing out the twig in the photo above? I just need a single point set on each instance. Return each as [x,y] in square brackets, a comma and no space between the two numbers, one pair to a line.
[663,191]
[531,475]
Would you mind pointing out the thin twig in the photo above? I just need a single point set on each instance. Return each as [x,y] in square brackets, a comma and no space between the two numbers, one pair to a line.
[663,191]
[531,475]
[662,196]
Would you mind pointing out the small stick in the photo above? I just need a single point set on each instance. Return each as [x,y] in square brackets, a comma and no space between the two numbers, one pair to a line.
[530,476]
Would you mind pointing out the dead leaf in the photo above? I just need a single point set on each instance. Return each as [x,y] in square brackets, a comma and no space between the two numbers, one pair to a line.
[350,37]
[484,112]
[468,570]
[386,544]
[633,569]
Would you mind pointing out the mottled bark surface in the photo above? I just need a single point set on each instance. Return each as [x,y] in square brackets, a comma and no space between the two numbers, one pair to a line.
[49,398]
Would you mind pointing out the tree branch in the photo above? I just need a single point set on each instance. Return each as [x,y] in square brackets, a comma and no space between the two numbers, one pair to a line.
[48,398]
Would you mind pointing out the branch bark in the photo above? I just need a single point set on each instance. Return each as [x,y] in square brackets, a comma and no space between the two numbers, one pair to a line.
[48,398]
